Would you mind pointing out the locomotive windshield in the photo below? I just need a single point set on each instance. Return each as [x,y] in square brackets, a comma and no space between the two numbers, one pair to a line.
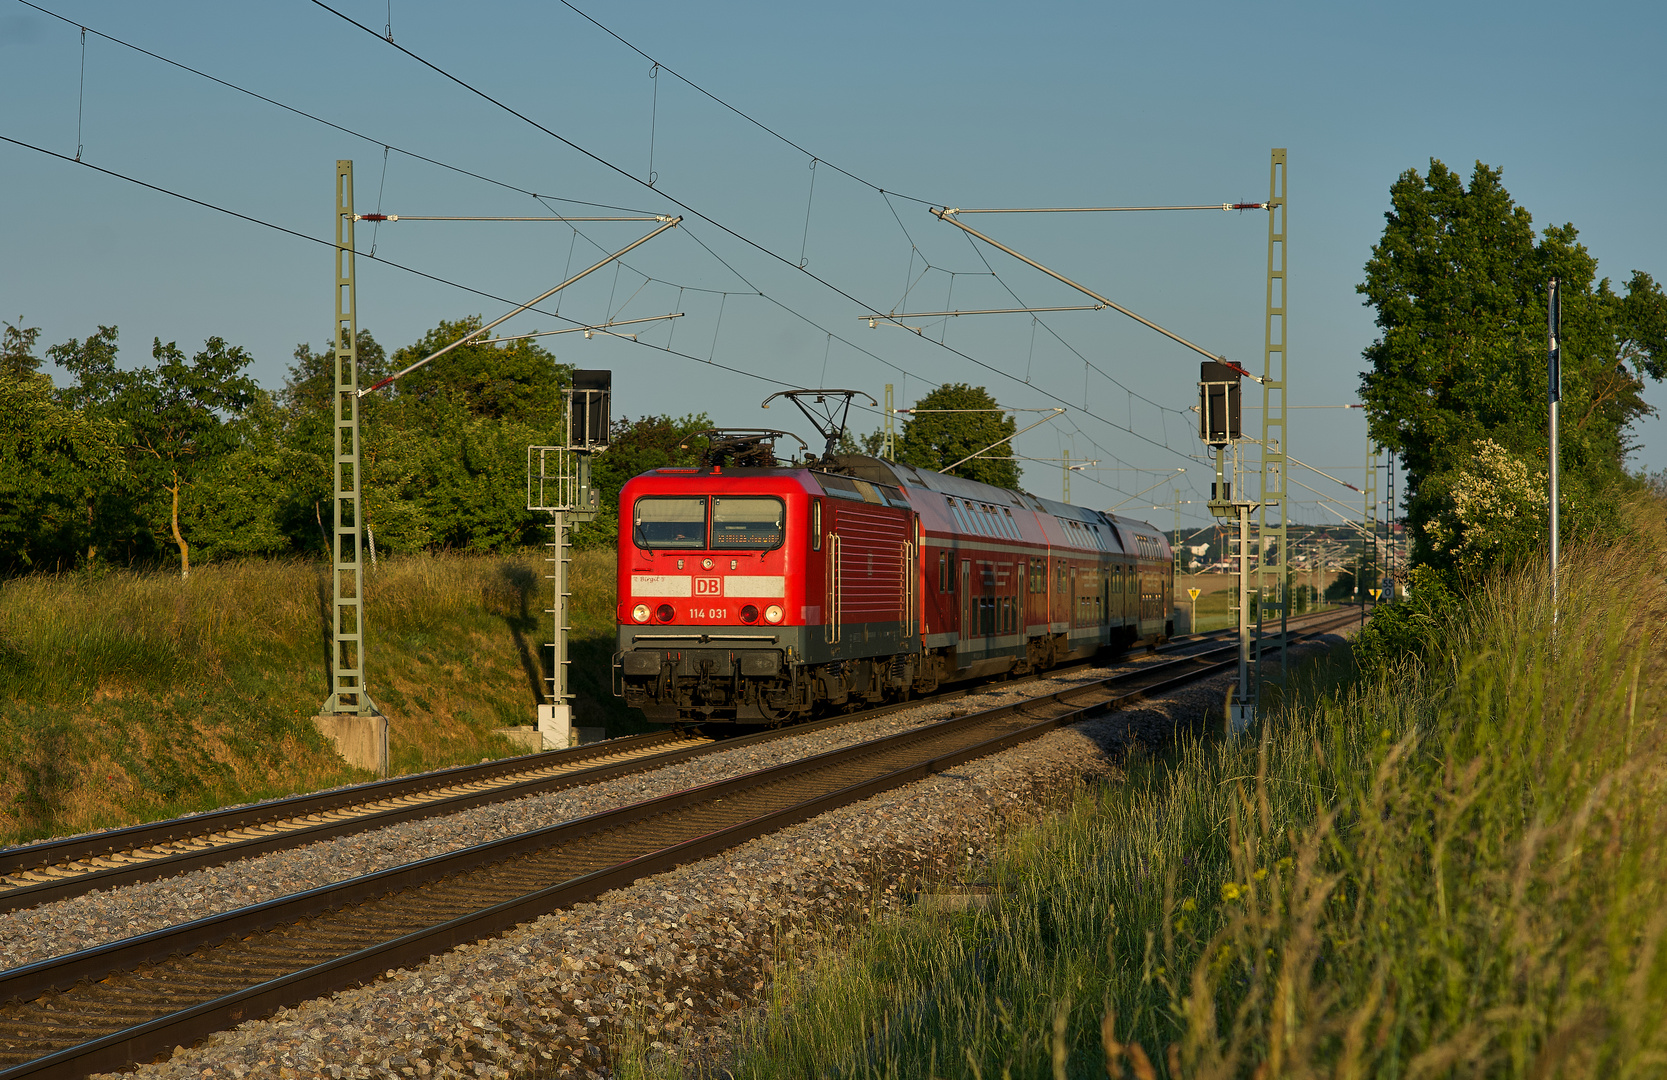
[669,523]
[750,524]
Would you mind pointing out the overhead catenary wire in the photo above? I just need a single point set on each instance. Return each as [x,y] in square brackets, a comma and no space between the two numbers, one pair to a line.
[380,217]
[685,80]
[948,215]
[872,319]
[594,328]
[749,242]
[414,271]
[315,118]
[885,194]
[1103,209]
[540,298]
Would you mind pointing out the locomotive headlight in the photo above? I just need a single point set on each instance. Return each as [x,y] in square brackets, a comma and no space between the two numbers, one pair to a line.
[773,613]
[749,614]
[664,612]
[640,613]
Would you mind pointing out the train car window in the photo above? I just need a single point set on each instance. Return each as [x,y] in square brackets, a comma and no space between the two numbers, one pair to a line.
[943,571]
[816,524]
[669,522]
[751,523]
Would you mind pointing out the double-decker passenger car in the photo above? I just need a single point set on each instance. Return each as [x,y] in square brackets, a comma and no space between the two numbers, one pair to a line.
[761,595]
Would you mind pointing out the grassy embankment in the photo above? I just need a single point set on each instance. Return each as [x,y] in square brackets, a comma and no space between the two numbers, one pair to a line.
[1217,606]
[1454,868]
[133,696]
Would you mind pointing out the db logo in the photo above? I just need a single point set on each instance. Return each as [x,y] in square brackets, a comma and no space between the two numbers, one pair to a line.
[709,586]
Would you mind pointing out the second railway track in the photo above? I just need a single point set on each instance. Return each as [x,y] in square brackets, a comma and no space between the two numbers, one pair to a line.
[133,999]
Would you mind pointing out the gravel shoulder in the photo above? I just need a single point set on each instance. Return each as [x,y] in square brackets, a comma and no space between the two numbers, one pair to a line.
[678,954]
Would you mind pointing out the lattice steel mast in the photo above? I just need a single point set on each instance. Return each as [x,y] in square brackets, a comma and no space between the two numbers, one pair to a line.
[347,610]
[1369,575]
[1273,564]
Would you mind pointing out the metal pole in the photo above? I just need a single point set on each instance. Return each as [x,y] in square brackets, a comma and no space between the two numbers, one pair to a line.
[1272,529]
[1554,392]
[559,696]
[1065,484]
[1245,703]
[888,449]
[1369,552]
[347,612]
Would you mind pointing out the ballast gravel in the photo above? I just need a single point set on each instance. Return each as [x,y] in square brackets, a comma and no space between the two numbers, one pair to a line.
[83,922]
[672,957]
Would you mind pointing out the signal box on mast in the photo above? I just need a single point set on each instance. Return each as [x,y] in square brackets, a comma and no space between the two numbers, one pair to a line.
[558,482]
[1220,427]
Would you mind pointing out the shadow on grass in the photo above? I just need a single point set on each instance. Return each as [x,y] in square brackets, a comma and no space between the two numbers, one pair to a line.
[524,581]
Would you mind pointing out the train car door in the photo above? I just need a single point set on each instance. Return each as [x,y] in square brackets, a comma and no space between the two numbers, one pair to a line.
[1075,616]
[967,626]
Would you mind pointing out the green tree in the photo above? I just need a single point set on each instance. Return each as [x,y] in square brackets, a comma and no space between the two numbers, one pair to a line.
[306,403]
[937,439]
[111,515]
[176,417]
[445,447]
[17,351]
[514,380]
[634,447]
[1458,282]
[51,458]
[258,498]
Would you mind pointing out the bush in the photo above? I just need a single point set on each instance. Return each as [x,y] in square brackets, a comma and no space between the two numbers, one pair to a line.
[1413,627]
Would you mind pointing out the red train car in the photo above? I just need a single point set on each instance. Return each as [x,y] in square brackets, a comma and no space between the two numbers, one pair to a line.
[761,595]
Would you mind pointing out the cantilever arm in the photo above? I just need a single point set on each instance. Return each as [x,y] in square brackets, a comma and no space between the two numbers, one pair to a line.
[949,216]
[541,297]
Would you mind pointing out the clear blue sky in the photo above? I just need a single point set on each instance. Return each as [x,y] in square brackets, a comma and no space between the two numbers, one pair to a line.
[964,104]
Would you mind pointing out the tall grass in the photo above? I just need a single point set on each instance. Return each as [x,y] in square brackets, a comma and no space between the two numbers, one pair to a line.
[1452,868]
[134,695]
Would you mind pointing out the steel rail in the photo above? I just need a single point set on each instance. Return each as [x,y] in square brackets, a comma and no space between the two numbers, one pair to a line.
[41,873]
[154,1036]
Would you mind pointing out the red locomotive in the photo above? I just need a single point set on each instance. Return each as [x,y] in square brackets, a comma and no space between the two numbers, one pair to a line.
[759,593]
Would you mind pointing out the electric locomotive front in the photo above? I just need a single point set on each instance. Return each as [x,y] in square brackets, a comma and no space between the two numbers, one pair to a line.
[711,590]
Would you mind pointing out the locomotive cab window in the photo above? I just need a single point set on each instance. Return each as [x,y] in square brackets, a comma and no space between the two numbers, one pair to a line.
[669,523]
[750,523]
[816,524]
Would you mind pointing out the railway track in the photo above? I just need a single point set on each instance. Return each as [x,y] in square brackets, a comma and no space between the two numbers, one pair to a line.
[56,870]
[134,999]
